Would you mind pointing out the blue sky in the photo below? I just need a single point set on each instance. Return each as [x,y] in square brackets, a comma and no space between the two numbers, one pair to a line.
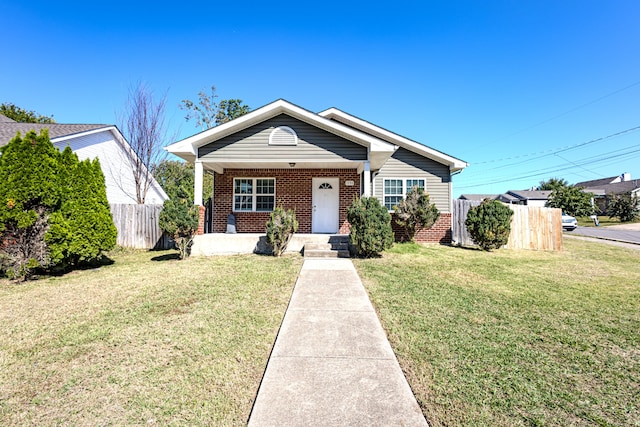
[522,90]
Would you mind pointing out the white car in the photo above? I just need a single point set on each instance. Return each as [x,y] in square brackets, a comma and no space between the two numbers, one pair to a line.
[569,223]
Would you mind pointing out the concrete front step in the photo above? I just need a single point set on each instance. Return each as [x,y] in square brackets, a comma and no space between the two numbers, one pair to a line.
[326,250]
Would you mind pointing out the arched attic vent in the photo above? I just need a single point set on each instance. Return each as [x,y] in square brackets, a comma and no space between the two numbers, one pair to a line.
[283,135]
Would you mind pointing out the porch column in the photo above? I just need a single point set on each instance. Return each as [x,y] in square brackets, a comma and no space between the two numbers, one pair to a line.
[197,183]
[367,179]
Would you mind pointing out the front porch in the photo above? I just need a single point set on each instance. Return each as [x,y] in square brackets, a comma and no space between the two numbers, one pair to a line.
[246,243]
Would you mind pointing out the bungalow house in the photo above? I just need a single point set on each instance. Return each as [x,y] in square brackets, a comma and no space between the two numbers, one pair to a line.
[602,189]
[90,141]
[314,163]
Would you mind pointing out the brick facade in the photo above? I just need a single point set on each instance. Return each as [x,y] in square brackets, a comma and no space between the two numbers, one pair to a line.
[439,233]
[293,191]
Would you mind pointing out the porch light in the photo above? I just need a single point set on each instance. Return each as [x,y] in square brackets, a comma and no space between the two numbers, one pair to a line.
[293,165]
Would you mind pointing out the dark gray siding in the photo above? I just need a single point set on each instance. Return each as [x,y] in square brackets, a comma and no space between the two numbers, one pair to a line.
[407,164]
[253,143]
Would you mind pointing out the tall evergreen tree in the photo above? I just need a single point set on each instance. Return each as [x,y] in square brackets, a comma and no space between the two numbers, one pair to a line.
[53,208]
[28,195]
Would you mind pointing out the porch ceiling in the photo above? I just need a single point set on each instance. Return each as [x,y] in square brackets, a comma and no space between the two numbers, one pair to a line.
[219,167]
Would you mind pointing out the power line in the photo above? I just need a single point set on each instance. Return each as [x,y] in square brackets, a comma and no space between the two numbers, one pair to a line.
[560,168]
[552,151]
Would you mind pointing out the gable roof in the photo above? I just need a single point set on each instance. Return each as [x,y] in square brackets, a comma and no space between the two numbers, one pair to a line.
[530,194]
[10,128]
[479,197]
[596,182]
[615,188]
[381,142]
[5,119]
[187,148]
[393,138]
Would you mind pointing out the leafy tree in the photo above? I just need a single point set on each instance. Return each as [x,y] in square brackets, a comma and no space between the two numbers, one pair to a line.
[143,125]
[489,224]
[53,209]
[572,200]
[371,231]
[176,179]
[207,113]
[21,115]
[415,212]
[230,109]
[624,207]
[280,229]
[179,218]
[552,184]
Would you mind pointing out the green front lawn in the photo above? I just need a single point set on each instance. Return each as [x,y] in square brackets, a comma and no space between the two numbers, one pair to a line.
[514,337]
[145,341]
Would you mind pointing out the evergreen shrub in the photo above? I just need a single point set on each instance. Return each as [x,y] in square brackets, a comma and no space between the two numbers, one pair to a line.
[179,219]
[489,224]
[371,231]
[415,212]
[54,212]
[280,229]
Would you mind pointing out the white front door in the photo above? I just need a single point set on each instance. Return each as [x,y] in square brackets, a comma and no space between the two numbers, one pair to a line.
[326,205]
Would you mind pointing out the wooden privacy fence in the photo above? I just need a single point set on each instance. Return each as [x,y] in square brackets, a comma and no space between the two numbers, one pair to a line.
[138,226]
[532,227]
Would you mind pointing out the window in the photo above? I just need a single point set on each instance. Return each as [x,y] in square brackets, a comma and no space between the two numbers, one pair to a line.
[254,194]
[396,189]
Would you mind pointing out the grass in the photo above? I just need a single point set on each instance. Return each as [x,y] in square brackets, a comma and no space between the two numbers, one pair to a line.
[145,341]
[585,221]
[514,338]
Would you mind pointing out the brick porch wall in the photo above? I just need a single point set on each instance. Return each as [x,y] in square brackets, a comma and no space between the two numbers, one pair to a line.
[439,233]
[293,191]
[201,212]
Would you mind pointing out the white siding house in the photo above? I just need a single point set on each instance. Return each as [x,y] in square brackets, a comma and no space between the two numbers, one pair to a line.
[104,142]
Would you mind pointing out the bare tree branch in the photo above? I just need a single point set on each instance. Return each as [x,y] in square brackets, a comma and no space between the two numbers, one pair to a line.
[143,125]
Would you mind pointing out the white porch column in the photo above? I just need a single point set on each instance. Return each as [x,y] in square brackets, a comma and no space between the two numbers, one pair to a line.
[367,179]
[197,183]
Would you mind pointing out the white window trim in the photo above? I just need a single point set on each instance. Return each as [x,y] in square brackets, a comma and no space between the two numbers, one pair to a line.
[405,190]
[254,195]
[285,129]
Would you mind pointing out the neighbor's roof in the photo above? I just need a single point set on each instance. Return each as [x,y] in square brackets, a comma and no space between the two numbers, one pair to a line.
[596,182]
[531,194]
[9,129]
[479,197]
[615,188]
[5,119]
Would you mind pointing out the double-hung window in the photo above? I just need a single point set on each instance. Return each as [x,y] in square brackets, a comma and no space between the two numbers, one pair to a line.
[254,194]
[396,189]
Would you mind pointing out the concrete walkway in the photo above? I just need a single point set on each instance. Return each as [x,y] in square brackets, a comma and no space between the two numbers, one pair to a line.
[332,364]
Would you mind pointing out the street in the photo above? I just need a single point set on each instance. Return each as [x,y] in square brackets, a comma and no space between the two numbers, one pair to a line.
[623,233]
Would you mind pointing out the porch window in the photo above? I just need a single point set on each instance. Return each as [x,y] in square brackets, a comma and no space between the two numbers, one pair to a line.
[254,194]
[396,189]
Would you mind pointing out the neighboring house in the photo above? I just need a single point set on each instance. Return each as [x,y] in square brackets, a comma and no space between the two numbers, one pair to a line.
[315,164]
[478,197]
[603,189]
[90,141]
[525,197]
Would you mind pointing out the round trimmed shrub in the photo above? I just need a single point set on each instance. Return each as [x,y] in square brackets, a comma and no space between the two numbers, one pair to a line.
[371,231]
[489,224]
